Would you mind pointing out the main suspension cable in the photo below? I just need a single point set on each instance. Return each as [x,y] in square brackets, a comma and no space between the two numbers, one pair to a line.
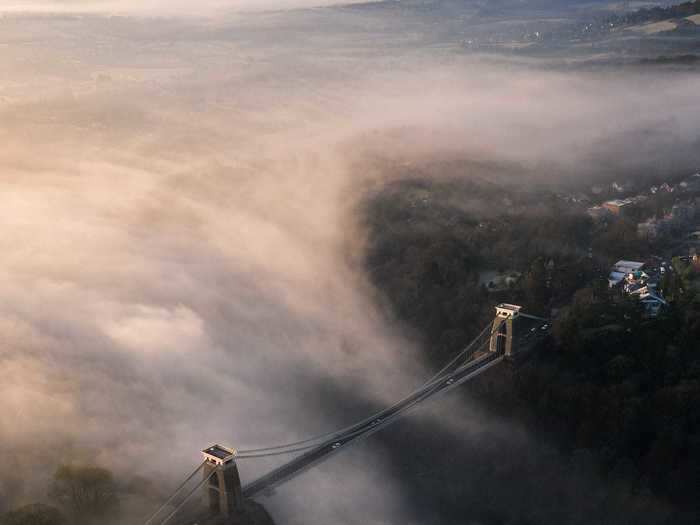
[328,435]
[187,498]
[263,453]
[172,496]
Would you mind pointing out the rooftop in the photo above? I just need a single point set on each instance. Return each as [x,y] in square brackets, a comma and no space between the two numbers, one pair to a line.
[635,265]
[508,310]
[617,202]
[219,453]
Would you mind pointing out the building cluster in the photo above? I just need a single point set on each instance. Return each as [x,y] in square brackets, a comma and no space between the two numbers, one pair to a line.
[638,279]
[615,207]
[680,218]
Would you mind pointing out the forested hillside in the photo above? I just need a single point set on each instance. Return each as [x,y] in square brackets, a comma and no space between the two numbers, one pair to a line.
[609,383]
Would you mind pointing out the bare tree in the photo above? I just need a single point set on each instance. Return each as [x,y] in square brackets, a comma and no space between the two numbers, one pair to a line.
[88,493]
[35,514]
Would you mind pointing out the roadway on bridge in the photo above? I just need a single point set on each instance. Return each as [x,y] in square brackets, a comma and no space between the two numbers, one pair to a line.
[317,449]
[364,429]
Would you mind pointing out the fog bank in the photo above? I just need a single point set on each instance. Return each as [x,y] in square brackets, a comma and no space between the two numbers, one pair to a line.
[180,251]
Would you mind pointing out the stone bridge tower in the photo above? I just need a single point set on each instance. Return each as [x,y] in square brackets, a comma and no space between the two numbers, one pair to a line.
[223,490]
[503,339]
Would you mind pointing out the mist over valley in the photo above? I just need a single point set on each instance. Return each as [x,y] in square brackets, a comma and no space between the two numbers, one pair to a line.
[250,223]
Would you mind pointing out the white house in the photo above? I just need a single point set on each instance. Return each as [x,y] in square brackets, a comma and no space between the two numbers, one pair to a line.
[621,269]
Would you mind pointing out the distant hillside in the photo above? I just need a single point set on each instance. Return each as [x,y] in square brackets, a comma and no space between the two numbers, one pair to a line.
[650,36]
[657,14]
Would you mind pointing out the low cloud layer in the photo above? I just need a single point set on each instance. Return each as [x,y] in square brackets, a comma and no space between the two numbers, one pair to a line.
[180,251]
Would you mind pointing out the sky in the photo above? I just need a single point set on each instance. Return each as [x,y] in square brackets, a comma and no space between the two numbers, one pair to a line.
[163,7]
[182,258]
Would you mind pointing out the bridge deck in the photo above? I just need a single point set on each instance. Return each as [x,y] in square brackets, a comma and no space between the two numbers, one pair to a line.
[361,431]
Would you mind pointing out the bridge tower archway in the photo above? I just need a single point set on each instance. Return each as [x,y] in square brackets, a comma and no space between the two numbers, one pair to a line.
[503,340]
[222,490]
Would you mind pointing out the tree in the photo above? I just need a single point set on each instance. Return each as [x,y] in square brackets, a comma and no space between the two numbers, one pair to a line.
[86,492]
[536,286]
[35,514]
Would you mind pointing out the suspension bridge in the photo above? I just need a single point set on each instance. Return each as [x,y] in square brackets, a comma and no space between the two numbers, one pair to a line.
[511,335]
